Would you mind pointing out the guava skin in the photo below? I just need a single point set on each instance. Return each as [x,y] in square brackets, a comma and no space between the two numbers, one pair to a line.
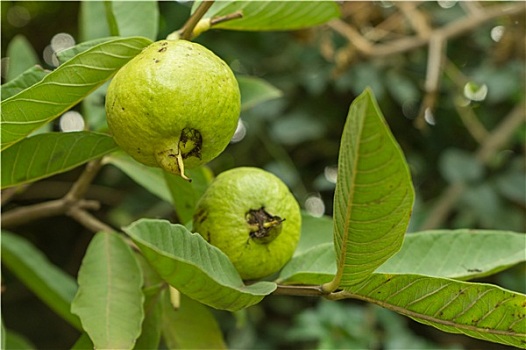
[175,97]
[223,217]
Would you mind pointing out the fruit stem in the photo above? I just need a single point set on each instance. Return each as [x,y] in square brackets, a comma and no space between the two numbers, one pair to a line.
[180,164]
[188,27]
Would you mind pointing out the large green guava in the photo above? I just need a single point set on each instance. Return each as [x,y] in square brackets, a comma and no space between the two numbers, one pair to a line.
[252,216]
[174,105]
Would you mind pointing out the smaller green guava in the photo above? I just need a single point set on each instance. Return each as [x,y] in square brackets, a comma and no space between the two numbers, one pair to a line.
[250,215]
[174,105]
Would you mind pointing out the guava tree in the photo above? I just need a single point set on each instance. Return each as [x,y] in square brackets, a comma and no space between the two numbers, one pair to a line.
[155,282]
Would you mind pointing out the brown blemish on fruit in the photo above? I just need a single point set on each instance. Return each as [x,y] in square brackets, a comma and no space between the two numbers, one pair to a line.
[263,227]
[163,47]
[200,215]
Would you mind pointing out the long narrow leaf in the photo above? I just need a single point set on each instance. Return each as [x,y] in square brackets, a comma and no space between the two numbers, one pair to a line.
[255,90]
[274,15]
[52,285]
[478,310]
[109,301]
[193,266]
[373,197]
[136,18]
[21,56]
[460,254]
[47,154]
[64,87]
[30,77]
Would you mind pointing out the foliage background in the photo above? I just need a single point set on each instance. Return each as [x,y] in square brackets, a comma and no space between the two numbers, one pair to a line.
[297,137]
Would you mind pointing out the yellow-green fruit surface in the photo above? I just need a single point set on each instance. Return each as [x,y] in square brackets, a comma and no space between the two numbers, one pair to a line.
[228,213]
[175,97]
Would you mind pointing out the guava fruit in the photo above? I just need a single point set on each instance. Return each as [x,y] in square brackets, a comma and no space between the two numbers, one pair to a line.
[250,215]
[174,105]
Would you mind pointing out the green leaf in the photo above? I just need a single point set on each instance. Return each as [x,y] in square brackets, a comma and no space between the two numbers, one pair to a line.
[109,300]
[70,52]
[255,91]
[83,343]
[151,326]
[92,20]
[30,77]
[274,15]
[154,289]
[314,231]
[21,56]
[373,196]
[179,326]
[481,311]
[150,178]
[170,188]
[2,335]
[459,254]
[136,18]
[110,18]
[47,154]
[52,285]
[16,341]
[186,194]
[64,87]
[193,266]
[315,266]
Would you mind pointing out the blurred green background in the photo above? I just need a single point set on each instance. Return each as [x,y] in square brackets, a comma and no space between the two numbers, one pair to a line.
[461,179]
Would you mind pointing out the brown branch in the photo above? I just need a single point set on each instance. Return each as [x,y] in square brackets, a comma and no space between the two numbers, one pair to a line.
[9,193]
[89,221]
[402,45]
[415,18]
[235,15]
[18,216]
[310,291]
[71,204]
[491,145]
[80,187]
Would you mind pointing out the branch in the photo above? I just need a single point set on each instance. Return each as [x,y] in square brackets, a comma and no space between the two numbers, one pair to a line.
[491,145]
[80,187]
[448,31]
[89,221]
[71,204]
[309,291]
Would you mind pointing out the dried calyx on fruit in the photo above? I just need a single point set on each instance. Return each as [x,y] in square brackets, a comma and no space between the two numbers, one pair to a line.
[250,215]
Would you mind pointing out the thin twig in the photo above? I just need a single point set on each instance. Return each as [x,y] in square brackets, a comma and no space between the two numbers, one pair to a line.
[71,204]
[9,193]
[309,291]
[491,145]
[402,45]
[80,187]
[235,15]
[18,216]
[89,221]
[415,18]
